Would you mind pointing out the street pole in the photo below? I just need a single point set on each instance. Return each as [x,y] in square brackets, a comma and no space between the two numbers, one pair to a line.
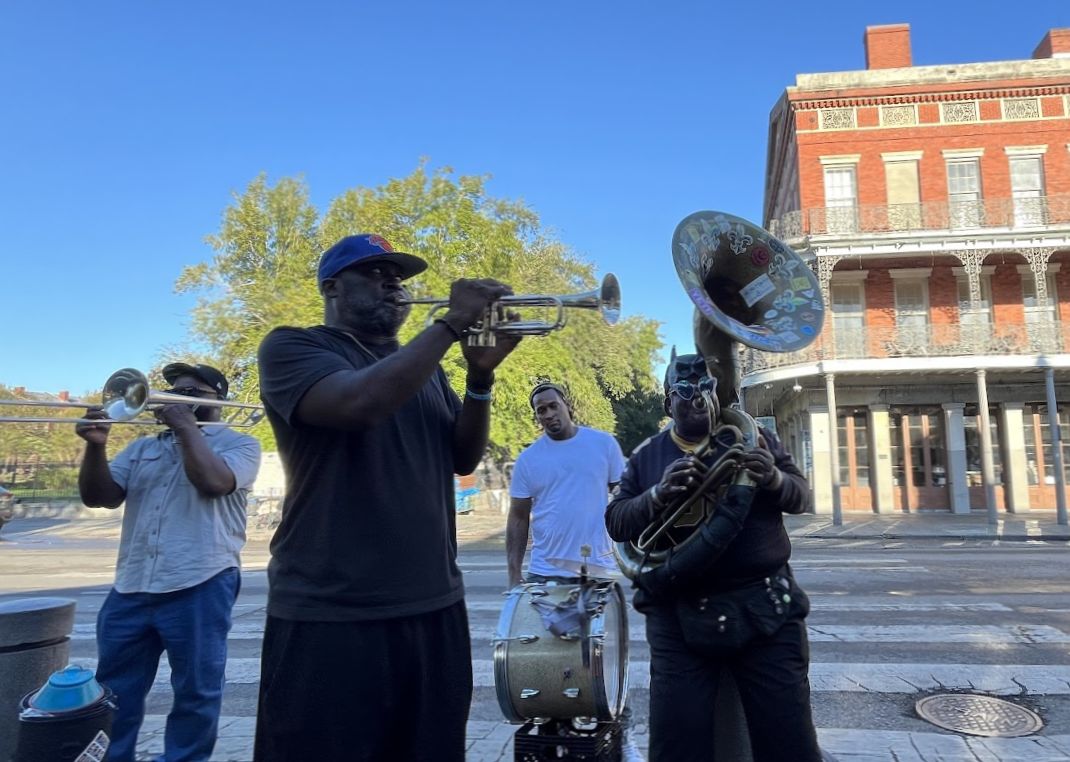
[1056,448]
[834,449]
[988,469]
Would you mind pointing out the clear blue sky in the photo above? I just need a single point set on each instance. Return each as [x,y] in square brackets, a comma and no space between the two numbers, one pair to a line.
[126,127]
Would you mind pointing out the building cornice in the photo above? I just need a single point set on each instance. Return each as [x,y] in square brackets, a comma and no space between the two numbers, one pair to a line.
[906,97]
[914,76]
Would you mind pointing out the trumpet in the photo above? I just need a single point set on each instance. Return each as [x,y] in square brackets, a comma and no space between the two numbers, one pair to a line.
[127,395]
[605,299]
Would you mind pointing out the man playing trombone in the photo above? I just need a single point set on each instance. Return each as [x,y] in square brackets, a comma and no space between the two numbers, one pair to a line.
[366,650]
[177,575]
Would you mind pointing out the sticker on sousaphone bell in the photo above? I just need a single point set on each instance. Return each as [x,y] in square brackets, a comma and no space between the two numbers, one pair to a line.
[746,282]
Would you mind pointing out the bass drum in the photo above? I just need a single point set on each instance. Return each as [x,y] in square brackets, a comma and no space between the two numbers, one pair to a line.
[583,674]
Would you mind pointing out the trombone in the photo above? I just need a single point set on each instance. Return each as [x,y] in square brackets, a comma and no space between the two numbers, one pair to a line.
[127,395]
[605,299]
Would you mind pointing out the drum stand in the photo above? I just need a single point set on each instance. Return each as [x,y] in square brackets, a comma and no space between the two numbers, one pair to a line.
[564,739]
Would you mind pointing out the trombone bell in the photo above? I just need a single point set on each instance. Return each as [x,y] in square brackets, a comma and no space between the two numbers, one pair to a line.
[127,395]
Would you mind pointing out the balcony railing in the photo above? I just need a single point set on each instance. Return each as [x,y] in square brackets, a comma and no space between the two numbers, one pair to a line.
[929,341]
[1017,213]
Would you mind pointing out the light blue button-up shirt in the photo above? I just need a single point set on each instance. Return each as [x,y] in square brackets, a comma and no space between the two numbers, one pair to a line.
[174,537]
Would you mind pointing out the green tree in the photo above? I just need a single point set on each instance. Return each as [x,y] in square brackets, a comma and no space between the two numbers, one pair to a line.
[263,276]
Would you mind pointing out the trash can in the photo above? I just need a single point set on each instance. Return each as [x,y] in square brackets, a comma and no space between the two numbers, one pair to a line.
[34,643]
[67,720]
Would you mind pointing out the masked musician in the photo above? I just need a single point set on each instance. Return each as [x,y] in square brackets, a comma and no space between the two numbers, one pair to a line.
[177,575]
[366,651]
[559,489]
[739,610]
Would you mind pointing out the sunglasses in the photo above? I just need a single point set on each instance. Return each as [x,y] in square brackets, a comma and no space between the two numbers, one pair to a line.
[192,391]
[686,390]
[693,367]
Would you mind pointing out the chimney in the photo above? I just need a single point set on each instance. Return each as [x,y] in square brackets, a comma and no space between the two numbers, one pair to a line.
[64,396]
[888,46]
[1056,44]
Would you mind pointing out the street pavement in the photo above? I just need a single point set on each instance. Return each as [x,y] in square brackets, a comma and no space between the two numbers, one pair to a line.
[903,607]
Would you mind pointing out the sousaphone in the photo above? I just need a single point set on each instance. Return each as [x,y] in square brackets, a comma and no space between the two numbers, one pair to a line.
[748,288]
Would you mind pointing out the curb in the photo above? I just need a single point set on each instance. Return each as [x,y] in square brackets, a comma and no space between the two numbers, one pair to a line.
[911,536]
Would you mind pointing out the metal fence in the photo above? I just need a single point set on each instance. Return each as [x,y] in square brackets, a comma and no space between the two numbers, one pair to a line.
[41,480]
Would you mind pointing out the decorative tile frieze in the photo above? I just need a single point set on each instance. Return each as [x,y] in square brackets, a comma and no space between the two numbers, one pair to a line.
[1021,108]
[957,112]
[899,116]
[837,118]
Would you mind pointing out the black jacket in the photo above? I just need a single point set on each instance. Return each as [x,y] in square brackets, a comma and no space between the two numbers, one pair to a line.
[759,550]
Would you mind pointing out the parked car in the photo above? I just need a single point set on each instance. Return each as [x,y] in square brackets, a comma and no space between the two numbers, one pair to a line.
[7,505]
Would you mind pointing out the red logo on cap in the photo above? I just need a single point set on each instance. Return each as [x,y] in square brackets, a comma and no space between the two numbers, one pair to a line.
[382,243]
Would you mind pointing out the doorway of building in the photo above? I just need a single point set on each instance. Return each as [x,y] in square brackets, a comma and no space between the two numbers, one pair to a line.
[919,463]
[853,430]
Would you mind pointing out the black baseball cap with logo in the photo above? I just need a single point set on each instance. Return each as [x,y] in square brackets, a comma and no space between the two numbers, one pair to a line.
[206,373]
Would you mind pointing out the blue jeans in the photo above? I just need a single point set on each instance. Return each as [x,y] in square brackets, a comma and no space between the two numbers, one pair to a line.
[191,625]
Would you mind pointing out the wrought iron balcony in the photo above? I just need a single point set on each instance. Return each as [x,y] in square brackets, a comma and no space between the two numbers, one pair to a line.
[951,216]
[1048,337]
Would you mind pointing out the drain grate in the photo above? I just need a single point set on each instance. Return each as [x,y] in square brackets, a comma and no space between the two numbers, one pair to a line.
[978,715]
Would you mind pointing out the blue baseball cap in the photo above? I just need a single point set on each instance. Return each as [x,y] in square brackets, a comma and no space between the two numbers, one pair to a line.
[366,247]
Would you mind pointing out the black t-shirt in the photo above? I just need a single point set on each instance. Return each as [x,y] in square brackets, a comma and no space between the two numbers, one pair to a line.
[762,546]
[368,525]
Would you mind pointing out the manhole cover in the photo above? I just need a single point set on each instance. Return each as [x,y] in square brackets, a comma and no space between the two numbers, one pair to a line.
[978,715]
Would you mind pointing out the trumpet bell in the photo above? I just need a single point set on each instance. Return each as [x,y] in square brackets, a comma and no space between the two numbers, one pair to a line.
[605,299]
[746,283]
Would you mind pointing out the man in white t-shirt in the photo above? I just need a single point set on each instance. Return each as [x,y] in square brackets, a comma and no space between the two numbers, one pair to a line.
[559,490]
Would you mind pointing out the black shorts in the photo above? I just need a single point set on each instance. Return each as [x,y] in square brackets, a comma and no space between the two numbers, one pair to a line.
[393,689]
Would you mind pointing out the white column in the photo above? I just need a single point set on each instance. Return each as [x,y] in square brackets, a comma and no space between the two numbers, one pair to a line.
[880,460]
[958,490]
[820,481]
[1015,467]
[988,470]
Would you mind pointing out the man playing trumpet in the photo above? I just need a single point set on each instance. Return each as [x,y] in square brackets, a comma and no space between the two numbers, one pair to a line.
[178,571]
[366,650]
[741,610]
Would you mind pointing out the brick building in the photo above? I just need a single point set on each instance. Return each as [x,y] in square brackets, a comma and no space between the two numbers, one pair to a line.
[934,204]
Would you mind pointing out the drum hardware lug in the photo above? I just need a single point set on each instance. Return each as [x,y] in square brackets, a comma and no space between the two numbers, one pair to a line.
[526,693]
[571,693]
[525,639]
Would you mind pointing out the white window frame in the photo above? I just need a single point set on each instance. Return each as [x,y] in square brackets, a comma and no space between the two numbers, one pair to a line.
[903,217]
[964,212]
[1034,314]
[916,336]
[1030,204]
[848,343]
[966,316]
[841,217]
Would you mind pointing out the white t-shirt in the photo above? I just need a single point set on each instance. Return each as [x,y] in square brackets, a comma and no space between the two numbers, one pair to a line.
[568,483]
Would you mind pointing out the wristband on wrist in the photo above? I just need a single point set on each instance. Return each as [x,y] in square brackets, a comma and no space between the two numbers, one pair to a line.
[478,395]
[457,335]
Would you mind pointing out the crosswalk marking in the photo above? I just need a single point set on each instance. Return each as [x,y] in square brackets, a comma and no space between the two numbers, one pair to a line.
[1000,679]
[236,734]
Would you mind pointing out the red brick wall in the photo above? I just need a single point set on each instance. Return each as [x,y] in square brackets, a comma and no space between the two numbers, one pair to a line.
[888,46]
[992,137]
[1055,41]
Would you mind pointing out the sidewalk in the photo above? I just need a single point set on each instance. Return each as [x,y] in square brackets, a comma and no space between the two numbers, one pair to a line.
[485,528]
